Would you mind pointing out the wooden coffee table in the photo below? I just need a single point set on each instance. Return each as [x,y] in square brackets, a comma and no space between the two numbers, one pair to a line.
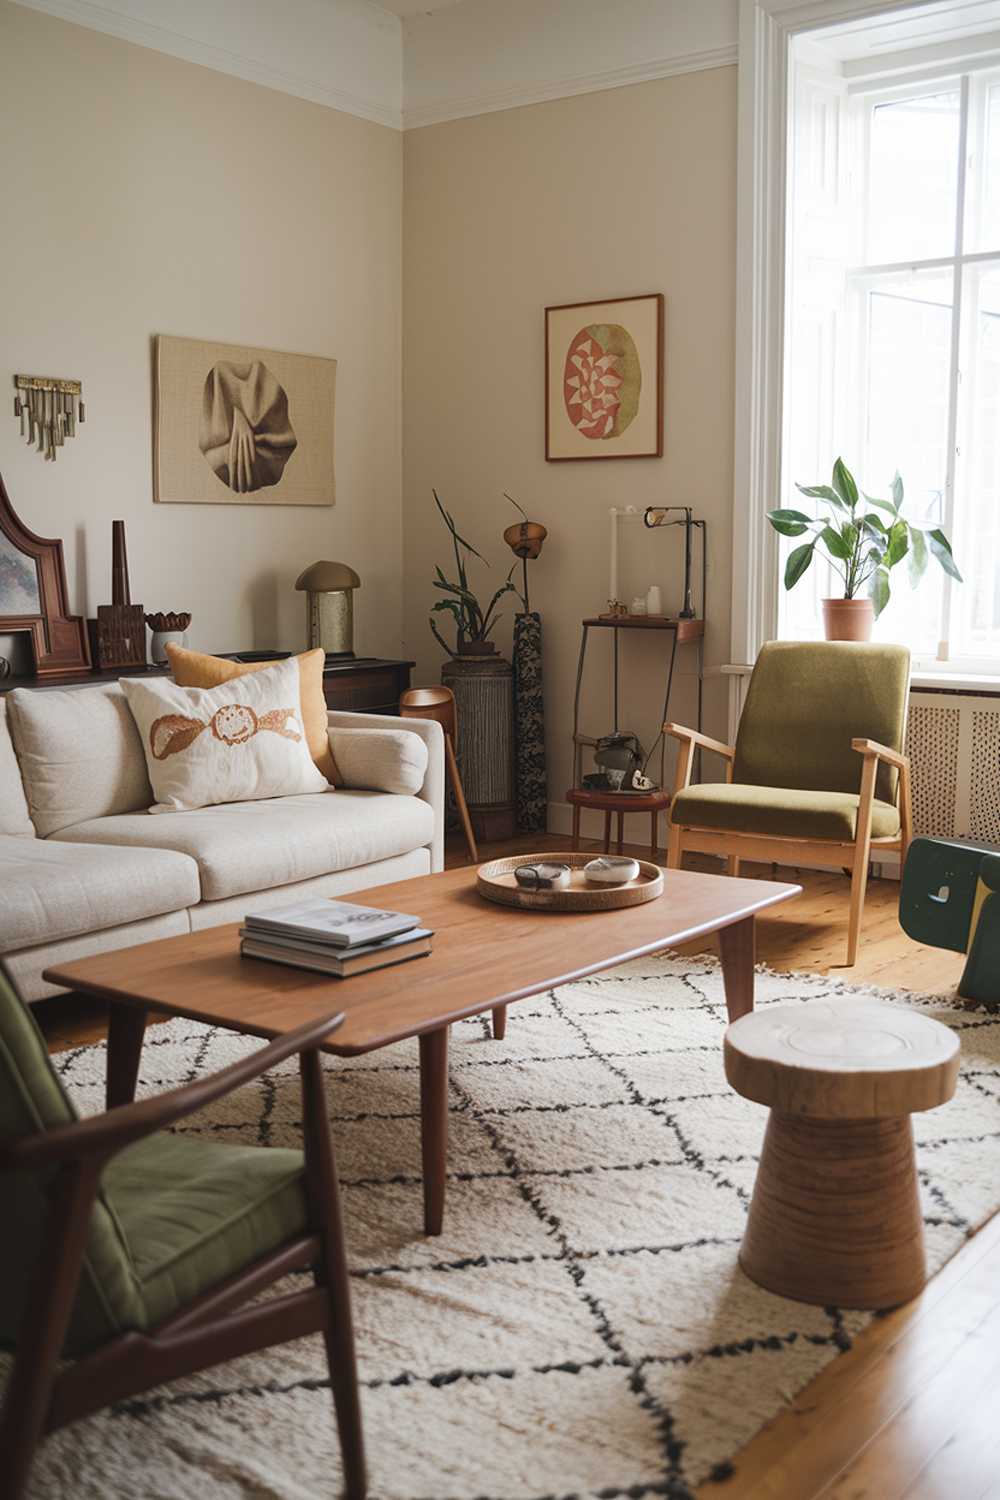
[484,957]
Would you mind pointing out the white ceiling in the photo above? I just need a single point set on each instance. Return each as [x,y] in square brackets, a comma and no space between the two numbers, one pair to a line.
[948,21]
[406,8]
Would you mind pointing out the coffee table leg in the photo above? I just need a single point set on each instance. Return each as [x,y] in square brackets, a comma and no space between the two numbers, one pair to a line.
[499,1022]
[126,1029]
[736,949]
[434,1124]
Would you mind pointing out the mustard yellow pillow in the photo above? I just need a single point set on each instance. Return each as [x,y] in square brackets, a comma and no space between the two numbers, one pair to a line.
[196,669]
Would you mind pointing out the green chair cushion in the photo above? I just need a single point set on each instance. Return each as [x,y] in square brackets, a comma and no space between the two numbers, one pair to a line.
[805,703]
[779,811]
[193,1212]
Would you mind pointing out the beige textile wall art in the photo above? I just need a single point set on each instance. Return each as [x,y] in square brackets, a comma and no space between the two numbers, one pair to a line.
[242,426]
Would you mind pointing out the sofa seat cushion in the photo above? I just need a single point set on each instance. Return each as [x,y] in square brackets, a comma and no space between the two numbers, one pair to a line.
[53,890]
[192,1212]
[778,811]
[252,846]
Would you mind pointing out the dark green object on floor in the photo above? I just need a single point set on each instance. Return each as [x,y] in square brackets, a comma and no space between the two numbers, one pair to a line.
[950,898]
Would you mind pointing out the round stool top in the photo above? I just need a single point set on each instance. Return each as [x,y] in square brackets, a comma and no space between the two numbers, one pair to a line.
[842,1059]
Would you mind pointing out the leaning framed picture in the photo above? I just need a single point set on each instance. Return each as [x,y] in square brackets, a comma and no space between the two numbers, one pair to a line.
[604,379]
[238,425]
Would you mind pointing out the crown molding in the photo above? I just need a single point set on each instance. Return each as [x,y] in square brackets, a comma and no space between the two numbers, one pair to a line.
[131,28]
[565,88]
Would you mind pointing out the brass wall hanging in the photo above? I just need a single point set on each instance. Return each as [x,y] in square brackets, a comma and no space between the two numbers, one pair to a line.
[49,409]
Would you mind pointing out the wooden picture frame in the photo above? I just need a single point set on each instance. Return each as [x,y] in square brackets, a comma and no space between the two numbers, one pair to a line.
[604,379]
[34,597]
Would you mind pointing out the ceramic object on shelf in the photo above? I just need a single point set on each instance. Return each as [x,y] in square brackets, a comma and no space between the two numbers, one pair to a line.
[638,606]
[654,600]
[848,619]
[166,625]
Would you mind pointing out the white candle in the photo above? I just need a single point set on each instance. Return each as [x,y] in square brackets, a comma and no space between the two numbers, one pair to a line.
[613,591]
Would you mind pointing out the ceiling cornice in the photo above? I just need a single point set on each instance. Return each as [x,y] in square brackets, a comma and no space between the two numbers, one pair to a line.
[564,88]
[129,27]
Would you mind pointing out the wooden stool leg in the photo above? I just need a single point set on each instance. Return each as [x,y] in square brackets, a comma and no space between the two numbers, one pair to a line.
[621,832]
[652,835]
[499,1022]
[733,864]
[463,810]
[576,825]
[607,833]
[835,1217]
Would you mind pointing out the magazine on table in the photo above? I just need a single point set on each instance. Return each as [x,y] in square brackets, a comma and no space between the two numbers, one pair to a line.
[338,924]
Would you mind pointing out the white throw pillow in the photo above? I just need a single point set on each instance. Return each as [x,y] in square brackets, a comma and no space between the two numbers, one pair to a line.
[380,760]
[234,743]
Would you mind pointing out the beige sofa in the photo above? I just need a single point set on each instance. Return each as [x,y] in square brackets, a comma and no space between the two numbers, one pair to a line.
[84,867]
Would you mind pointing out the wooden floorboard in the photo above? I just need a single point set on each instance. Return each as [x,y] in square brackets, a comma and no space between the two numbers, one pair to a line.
[909,1413]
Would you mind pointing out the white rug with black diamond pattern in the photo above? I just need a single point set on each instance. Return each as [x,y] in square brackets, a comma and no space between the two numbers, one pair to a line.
[581,1329]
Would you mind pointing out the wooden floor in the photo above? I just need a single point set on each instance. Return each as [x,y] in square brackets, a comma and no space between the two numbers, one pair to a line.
[910,1411]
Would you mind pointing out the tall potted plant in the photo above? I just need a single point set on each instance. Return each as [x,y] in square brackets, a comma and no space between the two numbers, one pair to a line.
[864,538]
[482,683]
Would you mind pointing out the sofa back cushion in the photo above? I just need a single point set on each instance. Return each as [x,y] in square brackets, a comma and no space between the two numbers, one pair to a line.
[14,816]
[80,755]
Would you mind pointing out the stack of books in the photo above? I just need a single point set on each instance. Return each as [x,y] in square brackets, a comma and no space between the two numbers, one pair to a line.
[334,937]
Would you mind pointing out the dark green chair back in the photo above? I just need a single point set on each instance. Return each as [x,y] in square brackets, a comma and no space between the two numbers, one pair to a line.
[807,700]
[31,1099]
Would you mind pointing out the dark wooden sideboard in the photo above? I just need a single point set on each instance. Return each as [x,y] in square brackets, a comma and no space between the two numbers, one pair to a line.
[361,685]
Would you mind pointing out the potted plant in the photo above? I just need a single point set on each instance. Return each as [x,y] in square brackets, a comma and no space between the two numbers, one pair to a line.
[864,538]
[473,623]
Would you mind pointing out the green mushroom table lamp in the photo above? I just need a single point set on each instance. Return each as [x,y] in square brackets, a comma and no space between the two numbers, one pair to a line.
[329,590]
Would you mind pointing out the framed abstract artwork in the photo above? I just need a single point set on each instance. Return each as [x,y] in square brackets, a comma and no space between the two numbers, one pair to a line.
[34,597]
[604,379]
[234,425]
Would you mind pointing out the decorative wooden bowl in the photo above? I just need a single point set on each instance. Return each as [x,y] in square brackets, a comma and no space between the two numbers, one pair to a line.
[495,881]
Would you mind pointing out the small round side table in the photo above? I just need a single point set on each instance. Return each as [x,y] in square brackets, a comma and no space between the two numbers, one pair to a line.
[835,1215]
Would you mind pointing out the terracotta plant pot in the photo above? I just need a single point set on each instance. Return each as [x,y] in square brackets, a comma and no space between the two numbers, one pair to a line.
[848,619]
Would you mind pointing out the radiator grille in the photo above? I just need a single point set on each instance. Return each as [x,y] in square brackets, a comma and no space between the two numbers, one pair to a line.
[932,741]
[984,791]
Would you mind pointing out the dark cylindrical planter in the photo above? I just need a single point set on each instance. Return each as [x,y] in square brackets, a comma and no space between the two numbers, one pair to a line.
[483,688]
[529,724]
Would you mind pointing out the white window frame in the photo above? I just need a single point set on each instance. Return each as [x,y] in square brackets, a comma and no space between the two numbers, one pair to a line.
[767,28]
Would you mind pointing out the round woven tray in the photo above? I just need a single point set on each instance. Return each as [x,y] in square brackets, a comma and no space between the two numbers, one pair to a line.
[496,882]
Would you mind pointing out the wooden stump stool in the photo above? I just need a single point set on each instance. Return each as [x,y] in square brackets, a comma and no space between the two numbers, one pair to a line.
[835,1216]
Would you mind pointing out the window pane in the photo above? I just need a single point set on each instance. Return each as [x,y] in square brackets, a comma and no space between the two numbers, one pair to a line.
[989,182]
[909,351]
[912,179]
[977,500]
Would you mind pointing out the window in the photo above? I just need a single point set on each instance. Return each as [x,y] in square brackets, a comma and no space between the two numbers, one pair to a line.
[893,336]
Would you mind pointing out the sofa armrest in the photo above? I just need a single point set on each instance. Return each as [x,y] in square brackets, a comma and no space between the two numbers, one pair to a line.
[433,790]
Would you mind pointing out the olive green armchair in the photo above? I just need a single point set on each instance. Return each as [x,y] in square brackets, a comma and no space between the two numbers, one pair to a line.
[132,1252]
[817,775]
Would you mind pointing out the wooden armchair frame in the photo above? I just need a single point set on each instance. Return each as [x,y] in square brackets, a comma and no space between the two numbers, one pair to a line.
[214,1327]
[853,857]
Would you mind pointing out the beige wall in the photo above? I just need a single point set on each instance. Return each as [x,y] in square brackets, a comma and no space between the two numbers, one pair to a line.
[145,195]
[628,191]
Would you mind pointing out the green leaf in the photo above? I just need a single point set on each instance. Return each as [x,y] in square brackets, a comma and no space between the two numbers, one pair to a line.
[820,492]
[899,544]
[873,523]
[789,522]
[897,491]
[885,505]
[836,542]
[798,562]
[941,548]
[879,590]
[916,561]
[843,483]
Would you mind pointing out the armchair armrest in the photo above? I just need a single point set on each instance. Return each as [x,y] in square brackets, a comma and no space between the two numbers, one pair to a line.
[681,732]
[881,752]
[102,1136]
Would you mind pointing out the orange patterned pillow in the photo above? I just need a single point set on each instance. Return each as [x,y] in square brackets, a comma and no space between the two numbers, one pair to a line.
[196,669]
